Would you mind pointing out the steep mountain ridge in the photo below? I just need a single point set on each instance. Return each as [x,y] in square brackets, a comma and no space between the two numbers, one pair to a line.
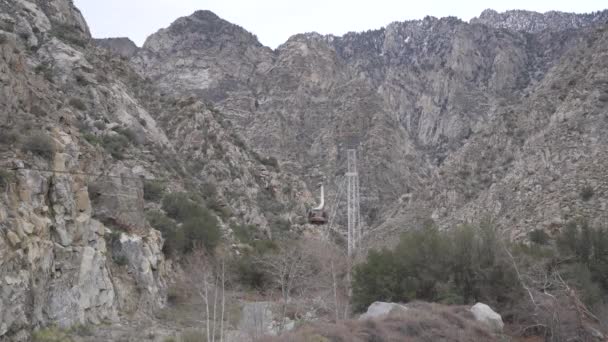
[81,136]
[453,121]
[534,22]
[407,96]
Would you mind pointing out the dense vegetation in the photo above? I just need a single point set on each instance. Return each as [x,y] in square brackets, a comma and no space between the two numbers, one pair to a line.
[530,283]
[470,264]
[462,266]
[185,223]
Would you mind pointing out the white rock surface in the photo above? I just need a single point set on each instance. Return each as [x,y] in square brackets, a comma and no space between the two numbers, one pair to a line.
[484,314]
[380,309]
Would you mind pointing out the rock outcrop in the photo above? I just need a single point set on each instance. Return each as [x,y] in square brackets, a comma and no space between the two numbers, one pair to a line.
[81,134]
[439,110]
[381,309]
[121,46]
[484,314]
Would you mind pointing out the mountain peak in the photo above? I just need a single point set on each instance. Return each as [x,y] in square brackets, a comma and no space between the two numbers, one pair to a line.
[201,28]
[534,22]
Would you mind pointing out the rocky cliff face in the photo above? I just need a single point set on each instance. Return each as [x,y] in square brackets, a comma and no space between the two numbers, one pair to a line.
[534,22]
[410,97]
[501,117]
[123,47]
[80,135]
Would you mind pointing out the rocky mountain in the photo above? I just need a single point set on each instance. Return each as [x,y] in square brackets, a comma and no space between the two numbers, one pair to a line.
[411,97]
[122,46]
[533,22]
[501,117]
[82,136]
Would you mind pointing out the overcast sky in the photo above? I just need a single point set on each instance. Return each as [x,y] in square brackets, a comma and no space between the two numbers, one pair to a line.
[273,21]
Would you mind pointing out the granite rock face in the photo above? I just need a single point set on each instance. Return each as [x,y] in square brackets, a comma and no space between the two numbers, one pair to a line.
[503,117]
[80,135]
[414,98]
[121,46]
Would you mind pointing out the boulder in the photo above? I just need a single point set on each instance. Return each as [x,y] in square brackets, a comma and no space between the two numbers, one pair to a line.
[484,314]
[380,309]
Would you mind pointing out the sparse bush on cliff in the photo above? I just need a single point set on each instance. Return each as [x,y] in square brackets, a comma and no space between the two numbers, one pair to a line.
[40,144]
[153,190]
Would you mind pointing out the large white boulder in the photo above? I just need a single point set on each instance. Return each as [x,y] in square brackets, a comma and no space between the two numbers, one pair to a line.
[487,316]
[380,309]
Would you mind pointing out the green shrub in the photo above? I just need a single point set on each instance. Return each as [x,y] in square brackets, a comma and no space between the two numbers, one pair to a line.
[91,138]
[175,240]
[115,144]
[5,179]
[82,330]
[243,233]
[539,237]
[120,260]
[463,266]
[193,336]
[180,206]
[200,226]
[68,34]
[78,103]
[51,334]
[153,190]
[100,125]
[202,229]
[8,137]
[586,193]
[41,144]
[587,248]
[270,161]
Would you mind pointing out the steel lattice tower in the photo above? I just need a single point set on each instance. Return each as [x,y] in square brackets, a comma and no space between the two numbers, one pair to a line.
[353,204]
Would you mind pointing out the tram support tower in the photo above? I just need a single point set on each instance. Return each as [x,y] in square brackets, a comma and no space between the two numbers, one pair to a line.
[353,204]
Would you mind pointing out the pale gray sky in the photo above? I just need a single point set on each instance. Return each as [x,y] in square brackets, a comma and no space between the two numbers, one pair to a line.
[273,21]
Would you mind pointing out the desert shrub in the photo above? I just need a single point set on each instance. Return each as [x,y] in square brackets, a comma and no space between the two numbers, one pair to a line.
[247,268]
[179,206]
[539,237]
[586,193]
[100,125]
[82,330]
[586,248]
[200,226]
[174,295]
[242,232]
[463,266]
[78,103]
[8,136]
[127,133]
[202,229]
[153,190]
[68,34]
[175,240]
[51,334]
[193,336]
[270,161]
[120,260]
[91,139]
[5,179]
[41,144]
[115,144]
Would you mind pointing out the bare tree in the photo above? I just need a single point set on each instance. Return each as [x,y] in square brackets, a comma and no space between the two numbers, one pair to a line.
[206,280]
[289,269]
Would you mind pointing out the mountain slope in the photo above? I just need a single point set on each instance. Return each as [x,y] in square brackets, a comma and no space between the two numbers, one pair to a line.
[408,96]
[82,136]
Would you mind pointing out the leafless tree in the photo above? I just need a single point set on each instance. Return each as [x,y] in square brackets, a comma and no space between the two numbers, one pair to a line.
[205,278]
